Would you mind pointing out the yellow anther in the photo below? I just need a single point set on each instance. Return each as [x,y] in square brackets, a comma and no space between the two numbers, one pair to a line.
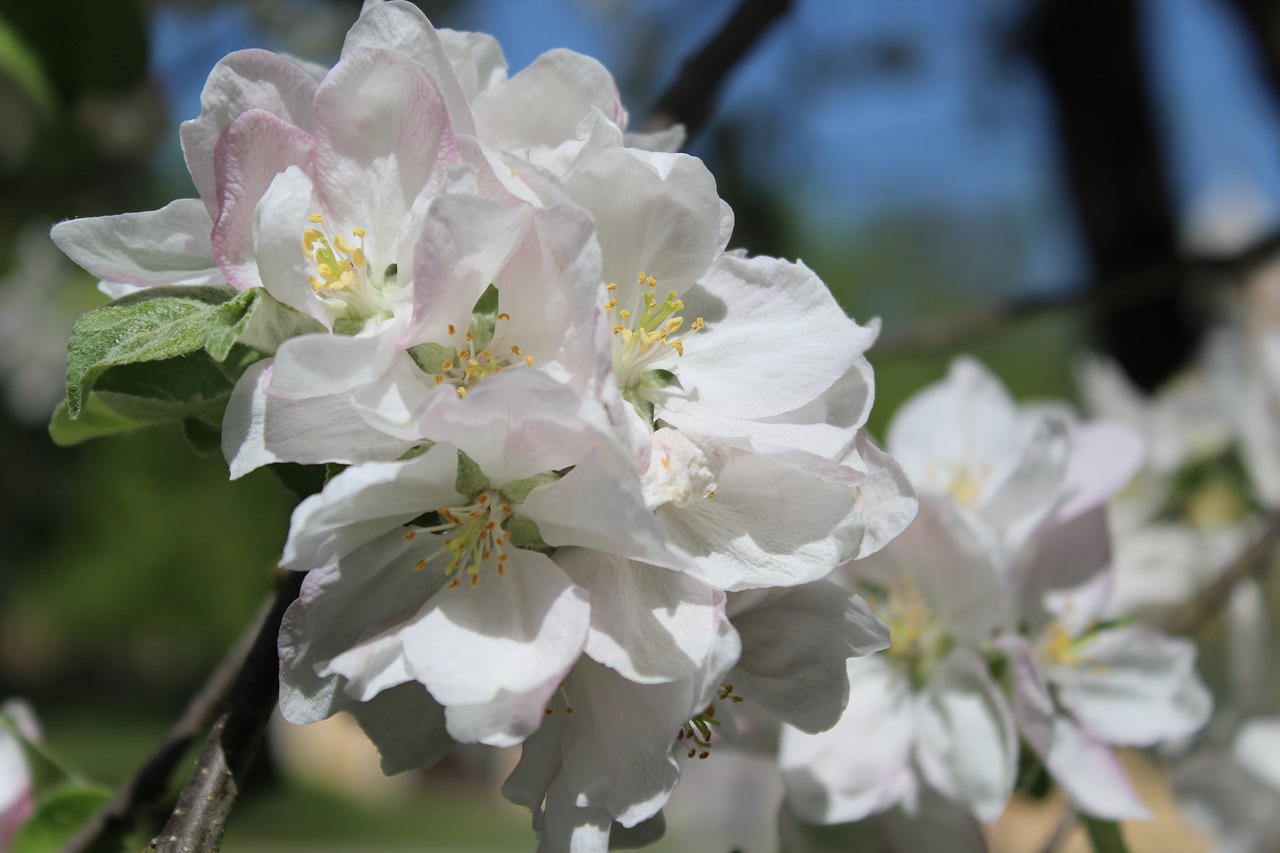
[452,330]
[611,286]
[316,217]
[611,304]
[504,316]
[515,350]
[624,314]
[651,281]
[462,392]
[528,359]
[359,232]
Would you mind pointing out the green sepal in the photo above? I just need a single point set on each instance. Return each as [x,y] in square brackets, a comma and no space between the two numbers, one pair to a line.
[471,480]
[525,534]
[430,356]
[639,396]
[517,490]
[416,451]
[60,812]
[1104,835]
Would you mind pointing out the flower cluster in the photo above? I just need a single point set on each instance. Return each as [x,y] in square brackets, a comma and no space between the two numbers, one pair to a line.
[996,597]
[587,469]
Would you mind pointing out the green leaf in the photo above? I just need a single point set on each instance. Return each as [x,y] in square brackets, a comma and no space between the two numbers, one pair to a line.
[525,534]
[1104,835]
[59,813]
[96,419]
[173,352]
[471,481]
[22,65]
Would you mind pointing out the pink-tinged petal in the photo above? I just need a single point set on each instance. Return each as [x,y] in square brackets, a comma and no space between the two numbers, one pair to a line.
[598,505]
[382,134]
[795,644]
[336,607]
[278,223]
[650,624]
[654,213]
[863,764]
[510,634]
[543,104]
[1091,775]
[766,525]
[401,27]
[569,828]
[775,339]
[260,429]
[516,424]
[242,81]
[1033,708]
[465,243]
[967,746]
[476,58]
[406,725]
[366,501]
[320,365]
[1133,686]
[1065,573]
[257,147]
[166,246]
[506,721]
[1105,457]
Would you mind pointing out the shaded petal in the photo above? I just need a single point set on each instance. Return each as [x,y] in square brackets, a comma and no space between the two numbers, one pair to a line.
[938,825]
[166,246]
[407,727]
[242,81]
[1090,774]
[365,501]
[320,365]
[885,498]
[476,58]
[648,623]
[506,721]
[967,747]
[511,633]
[795,644]
[863,764]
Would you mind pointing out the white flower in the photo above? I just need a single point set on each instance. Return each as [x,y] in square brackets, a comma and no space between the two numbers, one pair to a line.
[17,795]
[1235,793]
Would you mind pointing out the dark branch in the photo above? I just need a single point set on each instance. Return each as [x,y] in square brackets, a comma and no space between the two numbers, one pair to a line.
[1106,295]
[690,98]
[151,781]
[200,818]
[1212,598]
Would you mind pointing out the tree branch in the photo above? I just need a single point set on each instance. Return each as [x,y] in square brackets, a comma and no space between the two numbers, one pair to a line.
[689,99]
[200,818]
[1206,605]
[1105,295]
[146,786]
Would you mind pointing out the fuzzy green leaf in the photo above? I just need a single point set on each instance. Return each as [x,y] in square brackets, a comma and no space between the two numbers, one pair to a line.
[96,419]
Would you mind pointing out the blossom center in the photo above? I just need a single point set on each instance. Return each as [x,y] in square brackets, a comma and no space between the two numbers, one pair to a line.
[342,276]
[472,537]
[644,334]
[696,734]
[476,358]
[916,640]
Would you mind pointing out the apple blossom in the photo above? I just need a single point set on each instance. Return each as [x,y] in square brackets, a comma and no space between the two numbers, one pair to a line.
[17,795]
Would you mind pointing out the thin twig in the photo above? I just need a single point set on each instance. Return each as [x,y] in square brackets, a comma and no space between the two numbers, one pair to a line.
[146,786]
[1210,600]
[200,818]
[689,99]
[1061,831]
[1107,295]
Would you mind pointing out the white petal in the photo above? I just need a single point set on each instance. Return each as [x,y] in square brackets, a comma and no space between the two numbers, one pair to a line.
[320,365]
[406,725]
[885,498]
[241,81]
[775,338]
[509,635]
[476,58]
[365,501]
[1134,687]
[863,764]
[1105,457]
[278,223]
[648,623]
[767,525]
[505,721]
[967,745]
[166,246]
[1091,775]
[401,27]
[1257,749]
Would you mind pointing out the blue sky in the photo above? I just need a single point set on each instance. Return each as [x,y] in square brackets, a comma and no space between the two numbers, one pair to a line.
[955,133]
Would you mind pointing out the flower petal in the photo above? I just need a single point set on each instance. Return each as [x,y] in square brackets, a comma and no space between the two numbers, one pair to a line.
[407,727]
[166,246]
